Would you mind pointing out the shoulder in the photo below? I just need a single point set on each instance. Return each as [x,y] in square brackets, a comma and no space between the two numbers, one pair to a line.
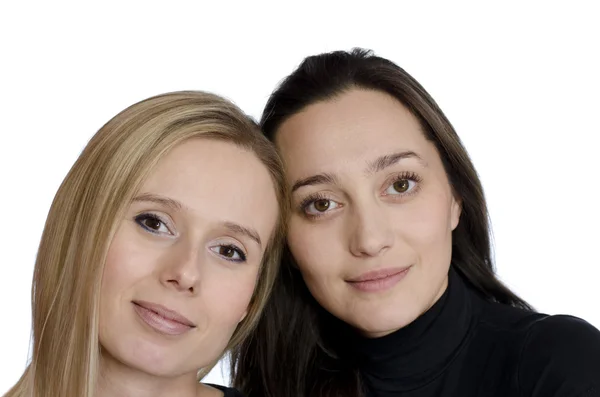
[225,391]
[560,354]
[507,321]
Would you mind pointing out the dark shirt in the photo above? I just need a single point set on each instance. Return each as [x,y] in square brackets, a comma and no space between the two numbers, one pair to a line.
[467,346]
[227,391]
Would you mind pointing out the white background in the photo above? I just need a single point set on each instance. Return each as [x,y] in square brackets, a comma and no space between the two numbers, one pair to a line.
[519,81]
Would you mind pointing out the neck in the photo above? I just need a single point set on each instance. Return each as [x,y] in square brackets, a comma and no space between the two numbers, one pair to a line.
[117,379]
[436,298]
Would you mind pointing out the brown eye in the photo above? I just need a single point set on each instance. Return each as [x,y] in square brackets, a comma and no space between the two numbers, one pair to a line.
[229,252]
[401,186]
[317,206]
[152,223]
[322,205]
[226,251]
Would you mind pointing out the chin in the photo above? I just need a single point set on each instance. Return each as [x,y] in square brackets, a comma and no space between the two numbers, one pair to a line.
[160,369]
[150,358]
[383,321]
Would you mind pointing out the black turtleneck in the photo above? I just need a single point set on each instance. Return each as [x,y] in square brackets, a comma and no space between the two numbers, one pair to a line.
[227,391]
[467,346]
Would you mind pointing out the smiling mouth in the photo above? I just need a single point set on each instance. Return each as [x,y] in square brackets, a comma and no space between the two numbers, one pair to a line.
[379,280]
[162,320]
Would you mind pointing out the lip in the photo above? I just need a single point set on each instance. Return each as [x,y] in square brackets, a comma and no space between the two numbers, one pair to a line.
[162,319]
[378,280]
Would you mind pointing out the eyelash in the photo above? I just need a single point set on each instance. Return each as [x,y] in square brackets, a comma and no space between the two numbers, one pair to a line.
[311,199]
[241,253]
[408,175]
[139,219]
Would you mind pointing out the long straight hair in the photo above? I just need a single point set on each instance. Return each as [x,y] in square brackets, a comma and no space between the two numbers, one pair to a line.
[86,213]
[289,353]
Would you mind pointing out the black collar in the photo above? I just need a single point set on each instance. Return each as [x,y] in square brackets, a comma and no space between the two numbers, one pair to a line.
[414,355]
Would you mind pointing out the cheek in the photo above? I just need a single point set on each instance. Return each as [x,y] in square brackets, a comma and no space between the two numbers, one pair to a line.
[227,296]
[317,249]
[127,261]
[309,245]
[427,225]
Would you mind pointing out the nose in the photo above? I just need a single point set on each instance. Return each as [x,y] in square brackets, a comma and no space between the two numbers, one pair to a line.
[181,270]
[370,231]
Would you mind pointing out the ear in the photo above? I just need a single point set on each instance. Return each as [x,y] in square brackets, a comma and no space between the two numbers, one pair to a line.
[455,211]
[243,316]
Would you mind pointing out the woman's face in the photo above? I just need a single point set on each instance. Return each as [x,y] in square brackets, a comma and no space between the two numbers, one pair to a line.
[373,211]
[183,265]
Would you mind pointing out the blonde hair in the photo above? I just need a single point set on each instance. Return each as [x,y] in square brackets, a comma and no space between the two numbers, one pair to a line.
[86,212]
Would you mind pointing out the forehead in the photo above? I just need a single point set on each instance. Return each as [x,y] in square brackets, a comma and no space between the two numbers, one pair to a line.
[354,127]
[218,181]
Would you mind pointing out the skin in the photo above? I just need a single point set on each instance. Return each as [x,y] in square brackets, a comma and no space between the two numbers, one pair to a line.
[182,257]
[364,218]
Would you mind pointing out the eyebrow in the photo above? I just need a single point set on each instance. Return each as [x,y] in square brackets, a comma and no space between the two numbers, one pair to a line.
[248,232]
[383,162]
[177,206]
[162,200]
[319,179]
[377,165]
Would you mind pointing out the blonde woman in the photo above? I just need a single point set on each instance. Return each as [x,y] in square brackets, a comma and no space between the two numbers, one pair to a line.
[159,251]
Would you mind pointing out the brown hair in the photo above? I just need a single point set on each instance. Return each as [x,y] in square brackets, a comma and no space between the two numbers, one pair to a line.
[85,214]
[292,330]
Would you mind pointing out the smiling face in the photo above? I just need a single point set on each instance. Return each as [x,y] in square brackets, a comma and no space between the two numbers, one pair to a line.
[373,211]
[182,267]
